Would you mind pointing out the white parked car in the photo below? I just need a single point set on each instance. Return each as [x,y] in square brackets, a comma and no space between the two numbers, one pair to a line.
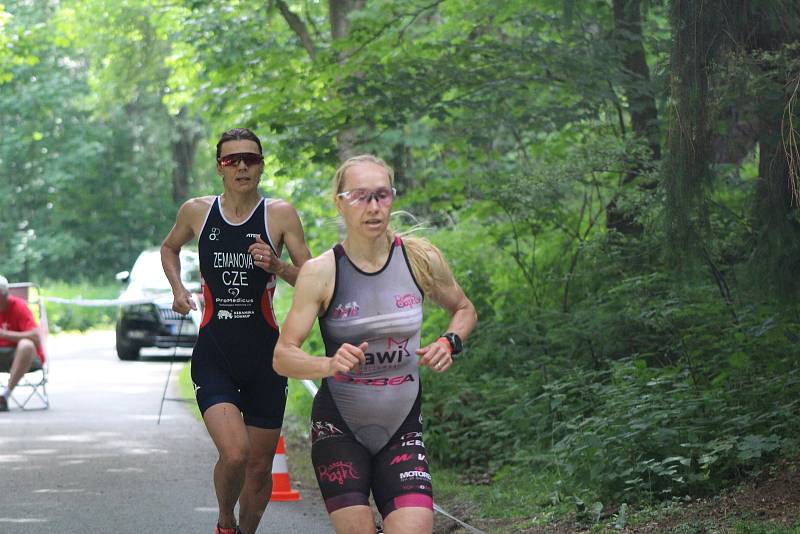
[149,321]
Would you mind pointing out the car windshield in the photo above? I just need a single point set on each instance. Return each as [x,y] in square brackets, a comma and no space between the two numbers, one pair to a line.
[148,273]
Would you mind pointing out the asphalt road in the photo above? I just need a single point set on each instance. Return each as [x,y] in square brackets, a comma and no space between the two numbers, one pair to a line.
[97,462]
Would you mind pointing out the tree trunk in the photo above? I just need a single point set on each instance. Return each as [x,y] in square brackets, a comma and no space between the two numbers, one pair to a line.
[641,102]
[778,231]
[184,145]
[339,12]
[777,225]
[687,170]
[338,15]
[299,28]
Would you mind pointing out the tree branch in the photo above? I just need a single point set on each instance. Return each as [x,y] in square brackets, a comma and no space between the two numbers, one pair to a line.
[517,254]
[298,27]
[310,21]
[375,36]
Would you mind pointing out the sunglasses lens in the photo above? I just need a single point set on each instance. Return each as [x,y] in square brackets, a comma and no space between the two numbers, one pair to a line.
[252,159]
[249,159]
[383,195]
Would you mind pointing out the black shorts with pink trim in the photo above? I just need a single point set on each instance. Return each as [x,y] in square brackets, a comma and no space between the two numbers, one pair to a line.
[397,475]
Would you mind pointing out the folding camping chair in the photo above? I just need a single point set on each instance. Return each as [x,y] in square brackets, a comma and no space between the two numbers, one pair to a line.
[32,387]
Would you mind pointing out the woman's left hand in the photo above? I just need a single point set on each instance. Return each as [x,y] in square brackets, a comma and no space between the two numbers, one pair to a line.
[263,256]
[436,356]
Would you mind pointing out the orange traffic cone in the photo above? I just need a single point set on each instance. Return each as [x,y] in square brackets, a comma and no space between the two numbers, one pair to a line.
[281,487]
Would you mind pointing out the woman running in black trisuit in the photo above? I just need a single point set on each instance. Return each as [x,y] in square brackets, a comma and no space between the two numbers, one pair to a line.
[240,237]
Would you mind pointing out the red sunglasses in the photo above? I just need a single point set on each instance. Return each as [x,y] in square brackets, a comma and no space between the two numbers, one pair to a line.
[249,159]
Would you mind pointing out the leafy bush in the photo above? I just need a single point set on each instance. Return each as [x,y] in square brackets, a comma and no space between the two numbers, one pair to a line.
[648,388]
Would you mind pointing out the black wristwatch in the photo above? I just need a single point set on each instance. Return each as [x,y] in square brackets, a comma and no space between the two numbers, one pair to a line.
[455,342]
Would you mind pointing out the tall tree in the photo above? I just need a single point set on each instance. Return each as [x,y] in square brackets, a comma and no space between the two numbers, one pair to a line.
[43,149]
[716,42]
[187,133]
[339,12]
[129,47]
[688,174]
[771,32]
[629,40]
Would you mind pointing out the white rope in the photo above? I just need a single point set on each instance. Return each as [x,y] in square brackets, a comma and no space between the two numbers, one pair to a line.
[466,526]
[195,316]
[98,302]
[311,387]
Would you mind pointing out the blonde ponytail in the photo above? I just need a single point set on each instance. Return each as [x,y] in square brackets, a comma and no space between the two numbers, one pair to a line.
[428,265]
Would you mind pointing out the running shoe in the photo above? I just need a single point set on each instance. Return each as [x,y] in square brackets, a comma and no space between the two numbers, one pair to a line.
[232,530]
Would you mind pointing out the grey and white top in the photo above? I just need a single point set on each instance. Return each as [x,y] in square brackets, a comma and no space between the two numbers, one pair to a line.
[384,309]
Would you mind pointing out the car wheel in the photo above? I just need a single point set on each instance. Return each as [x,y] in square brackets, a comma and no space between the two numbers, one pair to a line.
[127,352]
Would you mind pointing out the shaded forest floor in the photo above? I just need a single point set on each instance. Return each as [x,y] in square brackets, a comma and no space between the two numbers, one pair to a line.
[766,504]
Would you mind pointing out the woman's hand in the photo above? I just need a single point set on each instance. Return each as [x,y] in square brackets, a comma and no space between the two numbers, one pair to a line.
[183,302]
[436,356]
[263,256]
[347,358]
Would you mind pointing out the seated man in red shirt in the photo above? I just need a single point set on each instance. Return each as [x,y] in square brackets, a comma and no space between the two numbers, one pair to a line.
[20,350]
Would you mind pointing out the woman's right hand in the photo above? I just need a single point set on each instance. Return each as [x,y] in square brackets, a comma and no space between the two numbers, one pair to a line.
[183,302]
[347,358]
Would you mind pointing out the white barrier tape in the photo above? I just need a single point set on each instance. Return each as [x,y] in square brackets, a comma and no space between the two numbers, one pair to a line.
[312,388]
[466,526]
[195,315]
[98,302]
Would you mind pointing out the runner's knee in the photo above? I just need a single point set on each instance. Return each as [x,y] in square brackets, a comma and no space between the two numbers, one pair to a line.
[260,464]
[235,456]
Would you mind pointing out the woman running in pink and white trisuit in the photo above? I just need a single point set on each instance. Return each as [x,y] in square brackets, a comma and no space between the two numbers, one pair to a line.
[367,293]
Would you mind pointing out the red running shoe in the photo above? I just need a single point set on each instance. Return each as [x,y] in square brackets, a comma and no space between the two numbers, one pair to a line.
[232,530]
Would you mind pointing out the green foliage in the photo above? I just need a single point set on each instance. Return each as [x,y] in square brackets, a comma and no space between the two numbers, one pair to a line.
[511,493]
[86,172]
[647,390]
[597,373]
[755,527]
[186,390]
